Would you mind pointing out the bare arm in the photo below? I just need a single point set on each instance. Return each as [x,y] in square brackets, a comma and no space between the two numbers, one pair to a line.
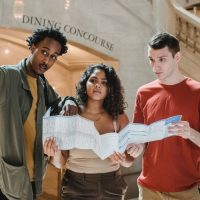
[194,137]
[124,159]
[57,157]
[60,159]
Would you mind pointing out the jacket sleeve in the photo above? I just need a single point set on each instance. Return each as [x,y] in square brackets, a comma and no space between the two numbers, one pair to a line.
[2,85]
[9,79]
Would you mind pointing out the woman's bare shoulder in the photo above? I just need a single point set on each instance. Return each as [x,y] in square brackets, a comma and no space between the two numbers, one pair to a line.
[122,120]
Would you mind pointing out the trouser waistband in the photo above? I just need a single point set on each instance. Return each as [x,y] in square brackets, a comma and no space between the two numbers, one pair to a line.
[85,176]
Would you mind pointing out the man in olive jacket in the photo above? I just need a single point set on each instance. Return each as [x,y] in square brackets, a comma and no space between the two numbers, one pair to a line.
[24,96]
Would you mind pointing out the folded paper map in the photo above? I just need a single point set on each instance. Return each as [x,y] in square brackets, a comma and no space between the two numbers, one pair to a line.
[79,132]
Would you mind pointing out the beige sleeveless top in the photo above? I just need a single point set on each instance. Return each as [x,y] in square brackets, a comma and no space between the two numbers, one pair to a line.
[86,161]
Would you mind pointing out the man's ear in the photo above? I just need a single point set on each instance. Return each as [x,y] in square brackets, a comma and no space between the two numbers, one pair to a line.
[178,56]
[32,48]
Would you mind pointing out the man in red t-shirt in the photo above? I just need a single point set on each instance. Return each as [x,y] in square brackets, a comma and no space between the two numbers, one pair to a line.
[171,167]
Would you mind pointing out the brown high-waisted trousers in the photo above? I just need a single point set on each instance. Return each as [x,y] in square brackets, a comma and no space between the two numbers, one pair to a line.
[105,186]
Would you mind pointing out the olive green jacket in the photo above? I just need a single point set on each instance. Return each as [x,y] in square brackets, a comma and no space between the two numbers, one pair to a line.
[15,104]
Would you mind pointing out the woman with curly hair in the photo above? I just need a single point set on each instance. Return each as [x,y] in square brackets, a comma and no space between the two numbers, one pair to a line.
[101,100]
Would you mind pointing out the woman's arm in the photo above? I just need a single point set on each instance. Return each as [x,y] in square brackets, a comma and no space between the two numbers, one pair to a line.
[60,158]
[124,159]
[57,157]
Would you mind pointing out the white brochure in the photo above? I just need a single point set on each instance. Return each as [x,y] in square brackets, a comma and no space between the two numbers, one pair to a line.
[79,132]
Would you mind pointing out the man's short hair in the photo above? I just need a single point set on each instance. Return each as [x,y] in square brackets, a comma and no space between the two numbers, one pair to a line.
[40,34]
[164,39]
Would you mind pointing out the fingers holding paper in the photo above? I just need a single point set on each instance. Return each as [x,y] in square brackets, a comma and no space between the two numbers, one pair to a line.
[69,108]
[135,150]
[184,130]
[123,159]
[117,157]
[50,147]
[181,128]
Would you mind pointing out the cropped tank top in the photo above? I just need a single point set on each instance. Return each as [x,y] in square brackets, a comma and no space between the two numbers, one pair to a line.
[86,161]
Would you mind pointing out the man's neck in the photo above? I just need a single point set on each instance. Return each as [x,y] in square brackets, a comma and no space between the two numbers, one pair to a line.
[173,80]
[29,69]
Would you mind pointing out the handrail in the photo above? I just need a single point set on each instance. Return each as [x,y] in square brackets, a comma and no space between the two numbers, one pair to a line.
[188,27]
[186,15]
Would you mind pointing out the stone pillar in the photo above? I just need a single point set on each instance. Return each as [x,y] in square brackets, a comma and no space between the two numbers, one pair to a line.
[164,16]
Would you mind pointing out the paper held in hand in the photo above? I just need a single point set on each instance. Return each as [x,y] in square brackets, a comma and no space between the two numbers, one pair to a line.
[78,132]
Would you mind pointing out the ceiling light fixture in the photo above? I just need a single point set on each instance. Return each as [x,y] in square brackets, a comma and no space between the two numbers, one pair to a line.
[18,9]
[6,51]
[67,4]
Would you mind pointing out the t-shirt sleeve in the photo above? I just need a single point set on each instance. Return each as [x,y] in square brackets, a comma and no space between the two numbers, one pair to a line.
[137,113]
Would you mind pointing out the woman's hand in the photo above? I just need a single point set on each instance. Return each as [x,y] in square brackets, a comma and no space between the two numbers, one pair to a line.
[117,157]
[135,150]
[57,157]
[50,147]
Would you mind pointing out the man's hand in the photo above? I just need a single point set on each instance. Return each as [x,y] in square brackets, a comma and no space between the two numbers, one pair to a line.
[181,129]
[184,130]
[69,108]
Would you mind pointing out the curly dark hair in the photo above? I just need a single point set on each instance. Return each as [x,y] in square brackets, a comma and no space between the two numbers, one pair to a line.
[114,103]
[40,34]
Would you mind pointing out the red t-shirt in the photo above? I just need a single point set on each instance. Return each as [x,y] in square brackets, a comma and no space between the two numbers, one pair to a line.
[171,164]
